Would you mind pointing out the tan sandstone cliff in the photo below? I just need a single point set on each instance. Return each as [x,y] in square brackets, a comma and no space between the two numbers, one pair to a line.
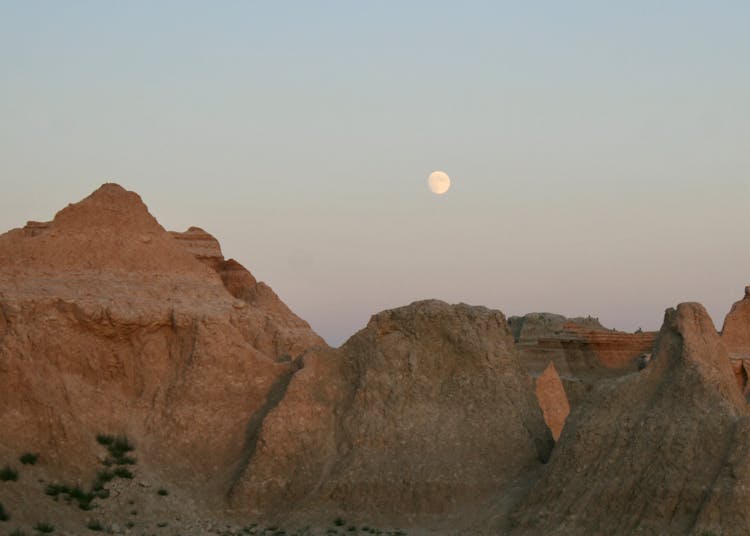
[657,452]
[552,399]
[736,337]
[110,324]
[423,412]
[580,348]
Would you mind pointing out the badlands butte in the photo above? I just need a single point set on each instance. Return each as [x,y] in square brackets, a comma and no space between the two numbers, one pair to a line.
[150,386]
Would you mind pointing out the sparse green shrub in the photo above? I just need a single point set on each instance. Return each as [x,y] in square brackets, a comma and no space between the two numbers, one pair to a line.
[352,529]
[123,472]
[105,440]
[339,522]
[44,527]
[126,460]
[104,476]
[4,516]
[161,524]
[120,446]
[162,492]
[83,498]
[8,474]
[18,532]
[134,512]
[54,490]
[77,493]
[29,458]
[94,525]
[101,494]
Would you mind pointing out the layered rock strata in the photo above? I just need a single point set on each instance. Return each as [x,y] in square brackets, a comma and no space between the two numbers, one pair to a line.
[110,324]
[662,451]
[580,348]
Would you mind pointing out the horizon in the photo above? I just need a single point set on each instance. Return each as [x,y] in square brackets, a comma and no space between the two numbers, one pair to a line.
[597,154]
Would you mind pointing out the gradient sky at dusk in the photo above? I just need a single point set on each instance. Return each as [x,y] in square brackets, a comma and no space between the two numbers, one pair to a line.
[599,151]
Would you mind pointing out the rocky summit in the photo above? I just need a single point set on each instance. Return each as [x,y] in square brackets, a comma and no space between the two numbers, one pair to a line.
[422,414]
[653,451]
[149,385]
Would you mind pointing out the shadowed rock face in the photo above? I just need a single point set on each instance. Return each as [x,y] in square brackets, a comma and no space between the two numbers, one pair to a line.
[423,411]
[659,452]
[110,324]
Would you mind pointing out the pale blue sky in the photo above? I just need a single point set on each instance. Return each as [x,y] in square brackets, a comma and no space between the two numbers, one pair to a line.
[600,152]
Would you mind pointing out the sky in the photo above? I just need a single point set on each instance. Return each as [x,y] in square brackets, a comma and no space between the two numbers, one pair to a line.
[599,152]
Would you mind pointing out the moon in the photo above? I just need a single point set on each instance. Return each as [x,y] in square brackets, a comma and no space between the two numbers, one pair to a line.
[439,182]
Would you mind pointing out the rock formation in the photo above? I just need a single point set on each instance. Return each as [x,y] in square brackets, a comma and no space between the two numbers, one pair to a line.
[736,337]
[663,452]
[424,411]
[552,399]
[428,416]
[110,324]
[580,348]
[736,331]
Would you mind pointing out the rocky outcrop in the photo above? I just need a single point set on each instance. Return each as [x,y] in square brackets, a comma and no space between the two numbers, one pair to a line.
[552,399]
[110,324]
[285,334]
[580,348]
[202,245]
[662,451]
[736,337]
[736,331]
[424,411]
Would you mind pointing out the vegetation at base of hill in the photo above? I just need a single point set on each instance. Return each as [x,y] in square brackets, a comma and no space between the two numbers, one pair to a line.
[95,525]
[8,474]
[44,527]
[117,447]
[29,458]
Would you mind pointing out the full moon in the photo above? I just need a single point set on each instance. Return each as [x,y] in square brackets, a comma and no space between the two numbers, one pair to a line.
[439,182]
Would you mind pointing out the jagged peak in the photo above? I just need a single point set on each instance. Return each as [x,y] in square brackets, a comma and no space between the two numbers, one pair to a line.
[735,332]
[110,229]
[110,205]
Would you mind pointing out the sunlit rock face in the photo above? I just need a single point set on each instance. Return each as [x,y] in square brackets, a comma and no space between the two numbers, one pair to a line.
[552,399]
[423,412]
[662,451]
[736,337]
[110,323]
